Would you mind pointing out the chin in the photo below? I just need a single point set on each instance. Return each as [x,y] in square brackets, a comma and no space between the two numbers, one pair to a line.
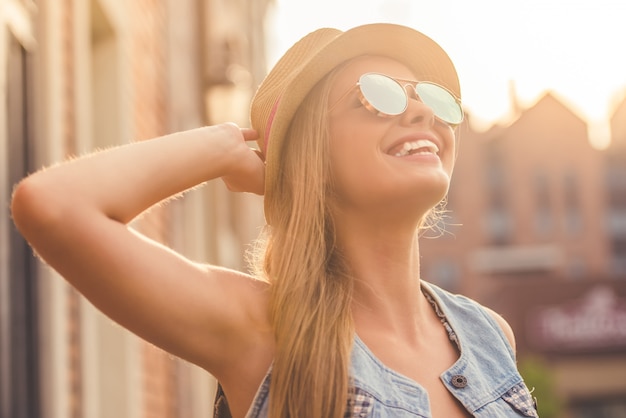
[427,198]
[416,202]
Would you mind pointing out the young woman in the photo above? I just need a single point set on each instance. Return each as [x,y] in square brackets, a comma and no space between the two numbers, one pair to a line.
[356,132]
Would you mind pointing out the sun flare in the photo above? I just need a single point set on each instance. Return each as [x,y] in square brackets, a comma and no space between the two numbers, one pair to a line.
[500,49]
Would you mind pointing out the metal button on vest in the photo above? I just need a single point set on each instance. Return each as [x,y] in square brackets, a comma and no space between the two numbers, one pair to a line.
[459,381]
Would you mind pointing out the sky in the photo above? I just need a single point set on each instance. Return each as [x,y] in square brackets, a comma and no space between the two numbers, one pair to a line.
[572,48]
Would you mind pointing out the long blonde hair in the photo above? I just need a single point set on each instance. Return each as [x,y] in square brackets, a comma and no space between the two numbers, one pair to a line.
[311,287]
[310,290]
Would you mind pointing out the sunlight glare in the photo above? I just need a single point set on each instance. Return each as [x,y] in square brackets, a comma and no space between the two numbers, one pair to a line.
[570,47]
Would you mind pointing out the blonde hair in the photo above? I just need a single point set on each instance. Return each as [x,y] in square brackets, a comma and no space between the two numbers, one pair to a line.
[311,288]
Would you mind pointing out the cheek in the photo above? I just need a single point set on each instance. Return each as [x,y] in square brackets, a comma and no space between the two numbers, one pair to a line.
[350,157]
[452,142]
[346,163]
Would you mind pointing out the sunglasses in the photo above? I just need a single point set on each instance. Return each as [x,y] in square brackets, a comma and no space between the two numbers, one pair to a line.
[386,97]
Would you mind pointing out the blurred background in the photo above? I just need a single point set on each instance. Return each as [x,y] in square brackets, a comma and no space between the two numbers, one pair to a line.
[536,220]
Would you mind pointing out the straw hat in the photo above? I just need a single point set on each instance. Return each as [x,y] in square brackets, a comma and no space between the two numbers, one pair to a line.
[315,55]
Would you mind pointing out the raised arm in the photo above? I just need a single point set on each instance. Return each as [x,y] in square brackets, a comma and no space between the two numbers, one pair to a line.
[74,215]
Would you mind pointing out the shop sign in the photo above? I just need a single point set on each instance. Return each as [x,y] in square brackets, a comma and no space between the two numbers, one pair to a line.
[596,321]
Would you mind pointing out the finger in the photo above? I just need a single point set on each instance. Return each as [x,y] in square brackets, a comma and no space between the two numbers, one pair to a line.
[259,154]
[249,134]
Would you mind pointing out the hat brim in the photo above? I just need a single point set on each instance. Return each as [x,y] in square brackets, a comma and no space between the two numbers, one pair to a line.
[299,71]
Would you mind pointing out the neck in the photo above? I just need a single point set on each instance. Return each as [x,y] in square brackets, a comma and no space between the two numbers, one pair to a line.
[384,261]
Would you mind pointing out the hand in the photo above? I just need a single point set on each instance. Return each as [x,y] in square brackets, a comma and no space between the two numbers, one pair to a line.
[248,173]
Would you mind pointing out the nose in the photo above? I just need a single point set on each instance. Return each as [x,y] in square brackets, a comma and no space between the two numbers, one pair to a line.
[417,111]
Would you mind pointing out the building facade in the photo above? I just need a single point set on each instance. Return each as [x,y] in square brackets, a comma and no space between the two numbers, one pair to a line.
[535,230]
[80,75]
[616,186]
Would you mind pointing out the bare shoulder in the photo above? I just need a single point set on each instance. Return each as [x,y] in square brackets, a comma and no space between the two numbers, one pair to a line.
[250,293]
[506,328]
[242,303]
[242,348]
[243,282]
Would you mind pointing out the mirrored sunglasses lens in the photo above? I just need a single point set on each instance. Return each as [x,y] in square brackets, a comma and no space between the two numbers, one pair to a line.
[441,101]
[383,93]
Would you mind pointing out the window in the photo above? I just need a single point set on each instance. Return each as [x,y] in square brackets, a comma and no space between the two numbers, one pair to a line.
[616,181]
[498,222]
[573,217]
[19,373]
[499,226]
[616,222]
[618,263]
[543,219]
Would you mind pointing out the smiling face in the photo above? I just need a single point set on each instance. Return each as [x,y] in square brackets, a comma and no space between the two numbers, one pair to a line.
[386,165]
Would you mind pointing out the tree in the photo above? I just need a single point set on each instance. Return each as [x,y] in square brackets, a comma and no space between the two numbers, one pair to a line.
[541,383]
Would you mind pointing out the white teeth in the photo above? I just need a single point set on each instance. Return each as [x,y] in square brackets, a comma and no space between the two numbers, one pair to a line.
[423,145]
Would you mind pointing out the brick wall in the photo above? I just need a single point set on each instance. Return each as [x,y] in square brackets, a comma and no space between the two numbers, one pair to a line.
[73,336]
[149,119]
[141,31]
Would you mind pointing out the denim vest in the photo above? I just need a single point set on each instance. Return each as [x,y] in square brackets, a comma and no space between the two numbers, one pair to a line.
[484,379]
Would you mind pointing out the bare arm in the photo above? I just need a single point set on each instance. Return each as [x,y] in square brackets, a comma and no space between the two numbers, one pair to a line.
[506,328]
[75,214]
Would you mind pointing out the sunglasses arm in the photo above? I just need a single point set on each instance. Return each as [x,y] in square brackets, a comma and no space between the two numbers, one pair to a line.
[343,96]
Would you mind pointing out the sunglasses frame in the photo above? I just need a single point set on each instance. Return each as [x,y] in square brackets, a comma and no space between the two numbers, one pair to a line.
[402,83]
